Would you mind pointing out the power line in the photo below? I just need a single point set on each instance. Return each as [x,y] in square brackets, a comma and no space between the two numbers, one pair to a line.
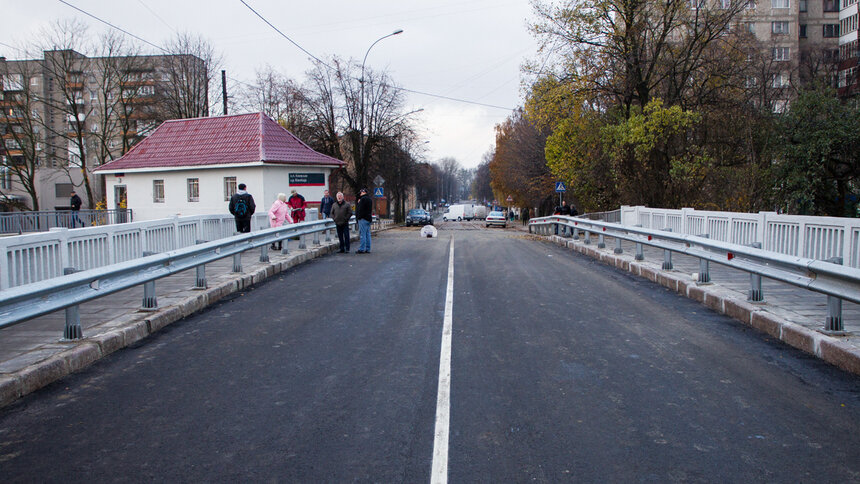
[113,26]
[387,85]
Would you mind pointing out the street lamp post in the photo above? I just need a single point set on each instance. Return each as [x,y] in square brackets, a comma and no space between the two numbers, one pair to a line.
[361,81]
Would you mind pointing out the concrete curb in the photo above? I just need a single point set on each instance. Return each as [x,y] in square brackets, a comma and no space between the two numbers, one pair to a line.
[828,348]
[80,354]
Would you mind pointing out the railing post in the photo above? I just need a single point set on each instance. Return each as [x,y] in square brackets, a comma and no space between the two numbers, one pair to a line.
[704,267]
[601,241]
[575,233]
[73,316]
[200,282]
[618,249]
[150,303]
[63,236]
[264,253]
[328,235]
[302,244]
[317,238]
[667,255]
[640,250]
[755,294]
[834,323]
[587,239]
[286,249]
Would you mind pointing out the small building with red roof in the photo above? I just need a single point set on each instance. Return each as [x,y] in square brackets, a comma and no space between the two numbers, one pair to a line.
[193,166]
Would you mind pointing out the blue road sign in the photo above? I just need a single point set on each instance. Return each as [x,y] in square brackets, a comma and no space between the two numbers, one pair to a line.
[377,192]
[559,187]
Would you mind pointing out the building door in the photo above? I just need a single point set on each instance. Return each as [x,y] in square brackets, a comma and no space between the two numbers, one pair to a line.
[120,197]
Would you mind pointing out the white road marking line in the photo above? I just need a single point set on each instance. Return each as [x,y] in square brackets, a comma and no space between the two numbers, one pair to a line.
[439,473]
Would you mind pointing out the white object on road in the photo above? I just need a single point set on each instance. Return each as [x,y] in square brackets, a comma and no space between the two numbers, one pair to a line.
[429,231]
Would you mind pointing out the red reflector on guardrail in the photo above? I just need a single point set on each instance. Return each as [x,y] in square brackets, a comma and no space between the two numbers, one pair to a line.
[649,237]
[730,256]
[604,229]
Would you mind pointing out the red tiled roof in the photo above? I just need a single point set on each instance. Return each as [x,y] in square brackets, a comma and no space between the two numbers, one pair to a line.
[219,140]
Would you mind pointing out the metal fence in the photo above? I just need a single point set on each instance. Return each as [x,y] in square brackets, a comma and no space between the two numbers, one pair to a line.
[810,237]
[42,221]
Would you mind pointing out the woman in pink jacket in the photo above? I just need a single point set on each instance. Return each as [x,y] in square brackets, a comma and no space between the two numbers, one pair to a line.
[278,214]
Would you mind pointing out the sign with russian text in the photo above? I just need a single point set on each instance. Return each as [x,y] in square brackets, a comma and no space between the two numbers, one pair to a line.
[307,179]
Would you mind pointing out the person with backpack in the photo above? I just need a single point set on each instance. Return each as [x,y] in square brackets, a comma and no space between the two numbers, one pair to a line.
[298,204]
[242,207]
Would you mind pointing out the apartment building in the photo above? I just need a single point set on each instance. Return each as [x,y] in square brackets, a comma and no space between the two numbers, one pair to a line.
[65,114]
[847,77]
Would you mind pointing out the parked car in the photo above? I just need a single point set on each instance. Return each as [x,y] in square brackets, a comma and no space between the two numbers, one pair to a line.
[459,212]
[497,218]
[418,216]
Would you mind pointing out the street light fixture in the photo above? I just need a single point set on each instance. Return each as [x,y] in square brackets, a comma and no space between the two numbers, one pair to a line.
[361,81]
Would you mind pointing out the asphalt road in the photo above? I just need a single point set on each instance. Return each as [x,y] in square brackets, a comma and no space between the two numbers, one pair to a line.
[563,370]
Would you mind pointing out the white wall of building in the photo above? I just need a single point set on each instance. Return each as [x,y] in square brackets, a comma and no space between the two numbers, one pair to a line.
[263,182]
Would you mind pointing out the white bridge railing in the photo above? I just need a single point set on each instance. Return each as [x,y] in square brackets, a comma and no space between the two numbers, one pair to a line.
[810,237]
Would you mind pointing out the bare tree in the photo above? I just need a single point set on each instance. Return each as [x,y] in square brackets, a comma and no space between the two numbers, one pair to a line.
[190,66]
[21,126]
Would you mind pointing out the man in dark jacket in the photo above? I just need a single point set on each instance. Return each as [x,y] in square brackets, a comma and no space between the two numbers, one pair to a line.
[565,210]
[325,205]
[242,207]
[341,211]
[75,203]
[364,215]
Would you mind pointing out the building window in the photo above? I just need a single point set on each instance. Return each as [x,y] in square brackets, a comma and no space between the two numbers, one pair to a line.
[831,30]
[63,190]
[802,31]
[158,191]
[750,27]
[780,80]
[802,5]
[779,28]
[780,3]
[781,53]
[750,5]
[193,189]
[725,4]
[5,177]
[229,187]
[831,5]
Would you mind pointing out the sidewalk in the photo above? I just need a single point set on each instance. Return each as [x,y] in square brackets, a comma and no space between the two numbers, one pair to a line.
[33,354]
[791,314]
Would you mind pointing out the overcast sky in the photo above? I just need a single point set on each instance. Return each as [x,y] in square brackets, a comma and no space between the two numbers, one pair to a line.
[465,49]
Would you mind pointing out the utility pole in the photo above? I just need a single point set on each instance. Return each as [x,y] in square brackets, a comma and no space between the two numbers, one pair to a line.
[224,89]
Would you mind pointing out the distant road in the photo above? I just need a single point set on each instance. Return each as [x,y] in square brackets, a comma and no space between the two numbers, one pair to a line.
[562,369]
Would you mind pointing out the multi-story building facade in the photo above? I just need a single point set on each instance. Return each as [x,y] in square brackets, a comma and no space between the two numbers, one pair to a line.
[65,114]
[848,51]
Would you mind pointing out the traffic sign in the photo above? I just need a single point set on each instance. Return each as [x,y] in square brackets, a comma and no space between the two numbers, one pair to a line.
[379,181]
[377,192]
[510,198]
[559,187]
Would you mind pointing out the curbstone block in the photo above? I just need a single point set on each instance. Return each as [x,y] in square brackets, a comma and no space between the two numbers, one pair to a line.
[767,323]
[801,338]
[840,354]
[696,293]
[163,318]
[10,389]
[81,356]
[108,342]
[714,301]
[648,273]
[42,374]
[133,333]
[740,310]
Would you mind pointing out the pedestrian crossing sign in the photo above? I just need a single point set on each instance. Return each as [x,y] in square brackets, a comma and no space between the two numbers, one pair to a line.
[559,187]
[377,192]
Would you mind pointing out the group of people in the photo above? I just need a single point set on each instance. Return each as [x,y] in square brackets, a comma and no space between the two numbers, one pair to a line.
[292,210]
[565,209]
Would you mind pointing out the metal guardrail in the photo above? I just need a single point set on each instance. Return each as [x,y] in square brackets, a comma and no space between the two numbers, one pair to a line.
[19,304]
[44,220]
[825,277]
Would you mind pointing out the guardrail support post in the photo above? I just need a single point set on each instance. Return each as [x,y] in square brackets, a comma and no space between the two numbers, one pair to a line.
[576,233]
[618,249]
[667,255]
[150,303]
[286,248]
[834,322]
[73,316]
[200,280]
[264,253]
[317,238]
[601,241]
[237,262]
[587,239]
[640,250]
[328,235]
[755,294]
[704,267]
[302,244]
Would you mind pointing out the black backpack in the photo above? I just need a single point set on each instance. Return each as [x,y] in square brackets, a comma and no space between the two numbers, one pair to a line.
[241,210]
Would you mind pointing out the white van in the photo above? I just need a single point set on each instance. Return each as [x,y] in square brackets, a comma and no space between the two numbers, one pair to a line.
[459,212]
